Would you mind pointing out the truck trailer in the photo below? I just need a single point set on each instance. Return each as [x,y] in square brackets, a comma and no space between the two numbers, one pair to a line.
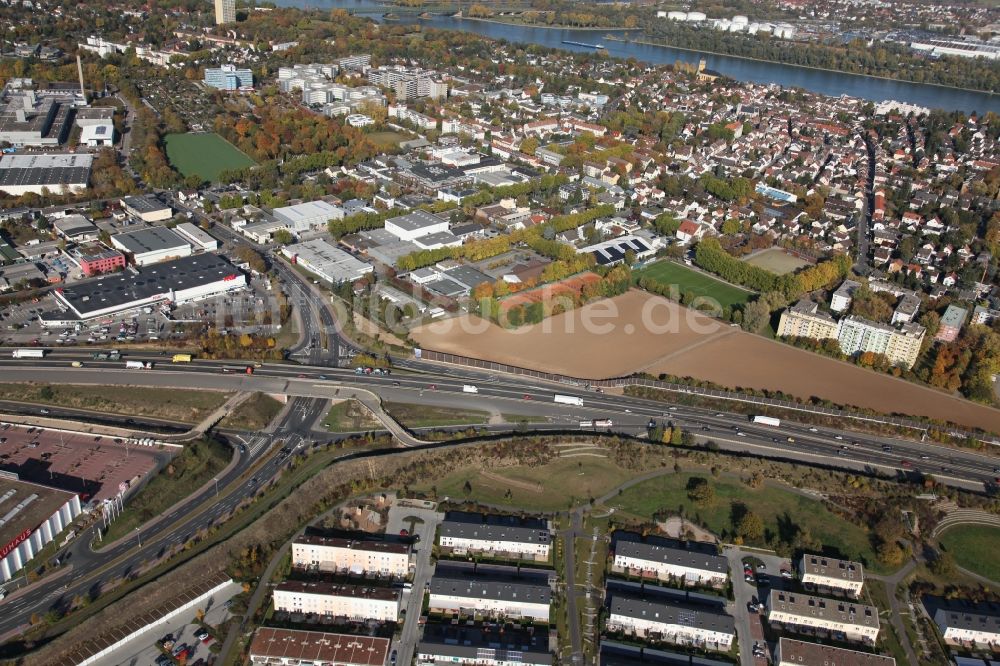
[138,365]
[469,388]
[28,353]
[568,400]
[766,420]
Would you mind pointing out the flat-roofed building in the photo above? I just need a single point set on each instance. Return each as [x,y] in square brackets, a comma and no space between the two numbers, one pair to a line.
[805,612]
[328,262]
[414,225]
[804,320]
[499,535]
[357,556]
[44,172]
[831,573]
[147,208]
[666,560]
[487,645]
[197,236]
[151,245]
[76,228]
[309,216]
[791,652]
[96,136]
[354,602]
[33,516]
[95,259]
[291,647]
[951,323]
[470,593]
[228,77]
[669,621]
[970,623]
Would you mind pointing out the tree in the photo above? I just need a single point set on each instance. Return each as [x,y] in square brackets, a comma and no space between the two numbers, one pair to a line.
[750,526]
[700,491]
[943,565]
[676,436]
[890,554]
[283,236]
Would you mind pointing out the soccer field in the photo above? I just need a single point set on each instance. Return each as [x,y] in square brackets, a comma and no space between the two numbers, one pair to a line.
[686,279]
[777,261]
[204,155]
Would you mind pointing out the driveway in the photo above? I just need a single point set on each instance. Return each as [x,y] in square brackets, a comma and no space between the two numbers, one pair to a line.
[399,517]
[749,627]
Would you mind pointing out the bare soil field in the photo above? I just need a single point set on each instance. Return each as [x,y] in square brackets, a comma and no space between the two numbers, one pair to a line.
[607,338]
[610,339]
[744,360]
[776,260]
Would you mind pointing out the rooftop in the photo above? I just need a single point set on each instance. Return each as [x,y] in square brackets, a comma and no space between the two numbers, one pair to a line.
[679,555]
[24,506]
[494,528]
[831,610]
[418,219]
[144,204]
[667,612]
[44,169]
[811,654]
[830,567]
[319,647]
[354,544]
[335,590]
[151,239]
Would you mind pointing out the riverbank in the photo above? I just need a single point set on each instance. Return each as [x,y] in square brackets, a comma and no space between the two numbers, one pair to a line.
[826,70]
[546,27]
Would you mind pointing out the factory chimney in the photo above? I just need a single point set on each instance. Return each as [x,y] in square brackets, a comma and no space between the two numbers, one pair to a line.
[79,70]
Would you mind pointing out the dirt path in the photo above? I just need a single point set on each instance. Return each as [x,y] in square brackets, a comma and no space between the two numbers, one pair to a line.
[513,483]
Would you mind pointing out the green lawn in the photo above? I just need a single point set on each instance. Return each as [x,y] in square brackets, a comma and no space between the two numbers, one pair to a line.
[254,414]
[204,155]
[350,416]
[387,139]
[975,548]
[781,510]
[425,416]
[700,284]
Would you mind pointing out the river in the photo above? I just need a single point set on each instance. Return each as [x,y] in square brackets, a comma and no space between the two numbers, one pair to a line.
[827,83]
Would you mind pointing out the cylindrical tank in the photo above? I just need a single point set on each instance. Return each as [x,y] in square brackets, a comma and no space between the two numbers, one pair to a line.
[696,16]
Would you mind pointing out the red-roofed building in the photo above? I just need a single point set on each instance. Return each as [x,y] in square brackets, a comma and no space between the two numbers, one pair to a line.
[688,231]
[290,647]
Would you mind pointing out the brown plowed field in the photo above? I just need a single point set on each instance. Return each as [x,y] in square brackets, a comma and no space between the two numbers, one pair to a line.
[609,339]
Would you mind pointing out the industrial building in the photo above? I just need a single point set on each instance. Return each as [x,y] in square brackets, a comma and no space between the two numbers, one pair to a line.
[486,645]
[668,560]
[832,574]
[147,208]
[495,591]
[291,647]
[801,653]
[414,225]
[33,516]
[357,603]
[97,136]
[309,216]
[496,535]
[611,252]
[228,77]
[351,556]
[76,228]
[807,613]
[95,259]
[32,118]
[671,622]
[197,236]
[177,281]
[151,245]
[327,262]
[36,173]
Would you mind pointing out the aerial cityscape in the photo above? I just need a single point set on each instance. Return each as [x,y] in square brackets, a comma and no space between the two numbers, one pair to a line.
[500,333]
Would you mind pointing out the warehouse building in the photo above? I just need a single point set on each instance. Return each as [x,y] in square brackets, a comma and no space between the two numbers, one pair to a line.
[291,647]
[668,560]
[151,245]
[353,602]
[486,645]
[76,228]
[498,592]
[801,653]
[671,622]
[805,613]
[32,516]
[178,281]
[40,172]
[197,236]
[414,225]
[309,216]
[327,262]
[832,574]
[354,556]
[147,208]
[496,535]
[612,252]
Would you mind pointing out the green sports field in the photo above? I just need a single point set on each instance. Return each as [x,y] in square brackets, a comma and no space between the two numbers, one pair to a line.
[700,284]
[975,548]
[204,155]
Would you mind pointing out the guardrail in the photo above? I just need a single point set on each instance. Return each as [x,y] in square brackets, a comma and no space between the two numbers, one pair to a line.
[735,396]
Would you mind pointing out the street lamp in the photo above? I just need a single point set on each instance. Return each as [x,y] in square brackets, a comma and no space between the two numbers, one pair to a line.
[216,479]
[138,536]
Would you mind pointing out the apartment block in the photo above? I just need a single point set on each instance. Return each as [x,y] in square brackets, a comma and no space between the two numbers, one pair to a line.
[228,77]
[354,602]
[292,647]
[973,623]
[671,622]
[807,613]
[951,323]
[804,320]
[831,573]
[801,653]
[499,535]
[666,562]
[471,594]
[841,299]
[486,645]
[409,82]
[356,556]
[900,345]
[225,11]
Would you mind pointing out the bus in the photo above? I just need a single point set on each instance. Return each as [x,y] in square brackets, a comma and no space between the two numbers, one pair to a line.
[182,358]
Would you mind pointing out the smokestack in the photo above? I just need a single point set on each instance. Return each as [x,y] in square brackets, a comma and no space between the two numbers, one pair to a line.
[79,70]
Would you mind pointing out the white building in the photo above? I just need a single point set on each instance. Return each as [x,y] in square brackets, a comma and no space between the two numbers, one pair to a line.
[666,562]
[353,556]
[414,225]
[291,647]
[152,245]
[197,236]
[358,120]
[44,172]
[831,573]
[33,516]
[354,602]
[309,216]
[979,624]
[841,299]
[900,345]
[801,653]
[496,535]
[842,619]
[327,262]
[96,136]
[671,622]
[457,593]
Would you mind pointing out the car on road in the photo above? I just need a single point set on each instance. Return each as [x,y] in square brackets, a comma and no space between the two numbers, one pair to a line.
[432,387]
[785,573]
[43,411]
[887,448]
[392,657]
[741,434]
[323,377]
[838,437]
[527,396]
[813,429]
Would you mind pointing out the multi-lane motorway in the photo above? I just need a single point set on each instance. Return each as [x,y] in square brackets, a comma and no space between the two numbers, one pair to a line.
[313,386]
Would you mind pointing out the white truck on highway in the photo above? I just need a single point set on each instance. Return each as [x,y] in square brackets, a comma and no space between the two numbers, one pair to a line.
[569,400]
[597,423]
[469,388]
[138,365]
[28,353]
[766,420]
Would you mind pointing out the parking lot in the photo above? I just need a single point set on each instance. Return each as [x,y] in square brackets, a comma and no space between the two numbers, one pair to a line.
[764,573]
[93,465]
[145,650]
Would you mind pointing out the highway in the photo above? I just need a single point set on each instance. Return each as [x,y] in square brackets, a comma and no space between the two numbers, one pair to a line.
[313,386]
